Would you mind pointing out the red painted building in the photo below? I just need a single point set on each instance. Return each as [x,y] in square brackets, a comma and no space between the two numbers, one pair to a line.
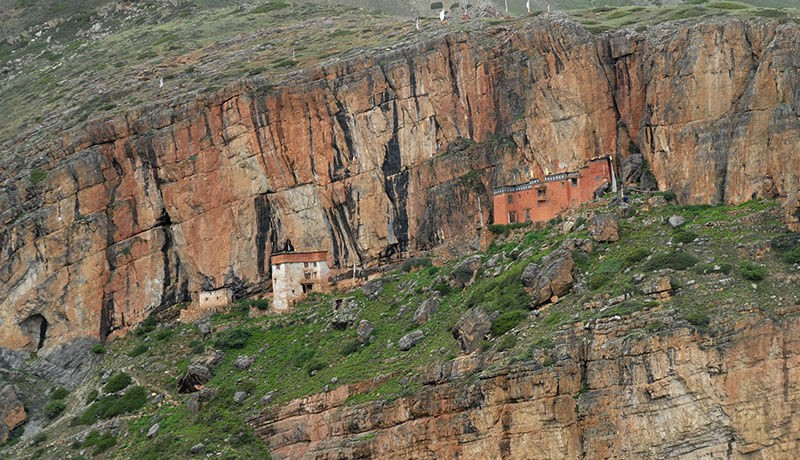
[544,199]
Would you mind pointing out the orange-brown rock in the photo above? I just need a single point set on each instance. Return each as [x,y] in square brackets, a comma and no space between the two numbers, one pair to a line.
[599,395]
[143,211]
[12,411]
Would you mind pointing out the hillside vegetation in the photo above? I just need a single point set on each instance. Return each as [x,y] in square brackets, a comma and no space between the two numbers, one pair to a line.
[721,263]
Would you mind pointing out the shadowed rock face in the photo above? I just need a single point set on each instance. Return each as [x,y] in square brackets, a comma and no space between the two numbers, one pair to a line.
[142,211]
[603,396]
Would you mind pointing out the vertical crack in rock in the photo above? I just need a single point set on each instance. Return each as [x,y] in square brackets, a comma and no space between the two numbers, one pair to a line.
[396,186]
[267,229]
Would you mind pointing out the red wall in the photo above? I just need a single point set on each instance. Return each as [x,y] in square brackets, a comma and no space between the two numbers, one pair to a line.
[561,191]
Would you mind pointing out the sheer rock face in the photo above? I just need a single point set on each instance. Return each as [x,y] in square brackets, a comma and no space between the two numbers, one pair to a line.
[142,211]
[606,396]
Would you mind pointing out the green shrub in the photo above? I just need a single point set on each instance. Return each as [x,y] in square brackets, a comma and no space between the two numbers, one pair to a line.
[117,382]
[507,343]
[100,441]
[37,175]
[684,236]
[415,262]
[500,229]
[113,405]
[59,394]
[302,356]
[728,6]
[91,396]
[261,304]
[268,7]
[164,333]
[39,438]
[752,272]
[634,256]
[147,326]
[698,318]
[315,366]
[98,349]
[138,350]
[787,247]
[507,321]
[669,195]
[233,338]
[53,409]
[673,260]
[351,347]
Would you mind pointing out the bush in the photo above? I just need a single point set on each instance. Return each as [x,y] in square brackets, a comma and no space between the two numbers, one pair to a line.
[113,405]
[118,382]
[92,396]
[315,366]
[232,338]
[351,347]
[100,442]
[261,304]
[635,256]
[98,349]
[681,235]
[673,260]
[138,350]
[500,229]
[507,321]
[164,333]
[507,343]
[59,394]
[698,318]
[302,356]
[39,438]
[752,272]
[415,262]
[147,326]
[53,409]
[669,195]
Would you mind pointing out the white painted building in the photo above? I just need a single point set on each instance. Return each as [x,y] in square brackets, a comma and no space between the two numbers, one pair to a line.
[295,274]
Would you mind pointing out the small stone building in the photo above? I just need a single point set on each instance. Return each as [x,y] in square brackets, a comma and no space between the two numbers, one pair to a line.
[543,199]
[295,274]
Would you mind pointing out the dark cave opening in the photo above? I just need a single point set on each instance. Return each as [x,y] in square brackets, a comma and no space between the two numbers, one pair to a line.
[35,327]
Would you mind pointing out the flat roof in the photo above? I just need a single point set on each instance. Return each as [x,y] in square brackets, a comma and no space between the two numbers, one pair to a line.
[298,257]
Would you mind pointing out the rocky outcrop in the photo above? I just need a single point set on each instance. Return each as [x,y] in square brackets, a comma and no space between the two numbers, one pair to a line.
[472,328]
[671,394]
[604,227]
[129,215]
[551,279]
[12,411]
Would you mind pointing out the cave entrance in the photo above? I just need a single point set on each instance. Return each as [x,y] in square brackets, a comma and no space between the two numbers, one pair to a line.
[35,327]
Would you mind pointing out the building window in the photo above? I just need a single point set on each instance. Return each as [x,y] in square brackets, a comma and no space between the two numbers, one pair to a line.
[510,199]
[527,215]
[541,194]
[512,217]
[574,181]
[307,287]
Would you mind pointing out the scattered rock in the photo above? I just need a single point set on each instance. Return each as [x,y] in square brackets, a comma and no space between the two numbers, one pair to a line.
[364,330]
[632,167]
[656,201]
[554,277]
[472,328]
[676,221]
[402,312]
[243,362]
[408,341]
[343,319]
[372,288]
[204,328]
[267,398]
[197,448]
[568,226]
[657,288]
[211,359]
[153,430]
[604,227]
[426,310]
[195,401]
[239,397]
[196,376]
[495,260]
[464,274]
[334,380]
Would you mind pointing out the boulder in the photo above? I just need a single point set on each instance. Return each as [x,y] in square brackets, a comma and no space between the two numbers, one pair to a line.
[239,397]
[409,340]
[554,277]
[426,310]
[12,411]
[676,221]
[372,288]
[464,274]
[267,398]
[343,319]
[197,448]
[473,327]
[632,167]
[243,362]
[656,201]
[604,227]
[153,430]
[364,330]
[196,376]
[657,288]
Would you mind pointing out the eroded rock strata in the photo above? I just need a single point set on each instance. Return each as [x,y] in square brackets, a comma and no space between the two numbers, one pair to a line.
[139,212]
[608,393]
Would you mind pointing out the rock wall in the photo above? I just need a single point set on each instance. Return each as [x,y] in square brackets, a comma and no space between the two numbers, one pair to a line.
[608,394]
[139,212]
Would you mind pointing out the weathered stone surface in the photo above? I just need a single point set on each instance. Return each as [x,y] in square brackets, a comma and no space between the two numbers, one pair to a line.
[426,310]
[146,209]
[153,431]
[364,330]
[465,272]
[239,397]
[473,327]
[632,169]
[408,341]
[196,376]
[554,277]
[681,398]
[243,362]
[676,221]
[604,227]
[195,402]
[12,411]
[657,288]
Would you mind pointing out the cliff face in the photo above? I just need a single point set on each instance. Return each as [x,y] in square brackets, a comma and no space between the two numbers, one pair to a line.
[140,212]
[604,394]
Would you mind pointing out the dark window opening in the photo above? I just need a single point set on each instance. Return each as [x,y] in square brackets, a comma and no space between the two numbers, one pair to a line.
[574,181]
[527,215]
[512,217]
[307,287]
[510,199]
[541,194]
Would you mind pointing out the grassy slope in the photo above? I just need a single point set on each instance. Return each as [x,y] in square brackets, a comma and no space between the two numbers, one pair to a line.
[287,347]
